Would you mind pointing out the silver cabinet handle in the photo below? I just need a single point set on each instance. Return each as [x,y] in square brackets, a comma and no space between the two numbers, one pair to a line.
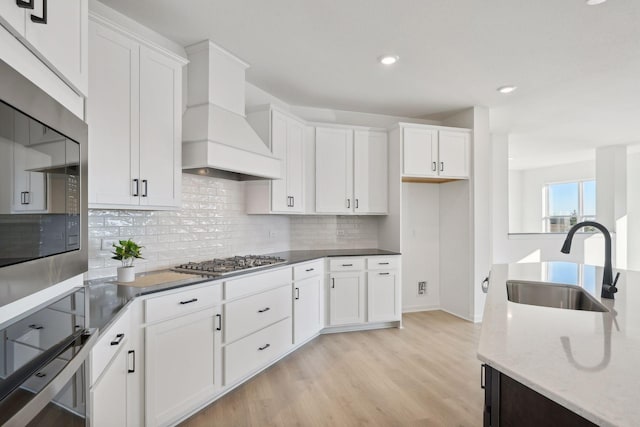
[146,187]
[293,201]
[383,274]
[383,263]
[264,347]
[441,166]
[264,310]
[309,269]
[348,203]
[297,293]
[333,282]
[356,203]
[347,265]
[189,301]
[433,166]
[136,187]
[133,363]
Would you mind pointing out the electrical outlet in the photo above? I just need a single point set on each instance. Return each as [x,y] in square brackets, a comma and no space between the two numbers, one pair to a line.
[107,244]
[422,288]
[339,232]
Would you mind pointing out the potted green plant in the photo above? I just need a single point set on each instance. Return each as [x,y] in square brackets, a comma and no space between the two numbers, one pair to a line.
[127,251]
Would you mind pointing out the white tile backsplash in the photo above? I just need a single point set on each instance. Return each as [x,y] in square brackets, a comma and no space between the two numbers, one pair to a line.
[212,223]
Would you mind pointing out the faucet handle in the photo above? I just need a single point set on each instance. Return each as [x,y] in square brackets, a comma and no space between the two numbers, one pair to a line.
[609,288]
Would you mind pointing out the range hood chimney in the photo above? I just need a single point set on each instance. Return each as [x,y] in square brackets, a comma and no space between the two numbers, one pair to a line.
[217,140]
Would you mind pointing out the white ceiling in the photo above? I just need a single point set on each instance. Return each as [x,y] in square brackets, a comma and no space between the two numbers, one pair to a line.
[577,67]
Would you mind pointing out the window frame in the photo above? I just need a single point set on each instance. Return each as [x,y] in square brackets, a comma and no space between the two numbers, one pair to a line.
[580,215]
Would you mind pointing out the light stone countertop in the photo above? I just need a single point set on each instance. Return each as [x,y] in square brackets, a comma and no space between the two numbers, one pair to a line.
[586,361]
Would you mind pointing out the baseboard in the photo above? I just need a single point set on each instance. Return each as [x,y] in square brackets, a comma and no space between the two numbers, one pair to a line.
[458,315]
[418,308]
[362,327]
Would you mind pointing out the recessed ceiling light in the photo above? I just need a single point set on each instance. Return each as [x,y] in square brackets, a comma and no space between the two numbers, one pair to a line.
[595,2]
[388,59]
[507,89]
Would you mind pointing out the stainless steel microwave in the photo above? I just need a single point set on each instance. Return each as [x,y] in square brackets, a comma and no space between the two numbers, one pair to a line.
[43,189]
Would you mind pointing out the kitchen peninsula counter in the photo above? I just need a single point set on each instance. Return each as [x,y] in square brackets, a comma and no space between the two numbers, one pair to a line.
[588,362]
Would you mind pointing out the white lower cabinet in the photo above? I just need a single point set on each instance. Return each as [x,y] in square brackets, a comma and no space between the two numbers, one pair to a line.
[256,350]
[307,301]
[108,396]
[182,365]
[364,290]
[347,299]
[383,296]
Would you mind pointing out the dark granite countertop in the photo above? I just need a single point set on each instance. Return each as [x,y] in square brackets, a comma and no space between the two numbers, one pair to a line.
[108,297]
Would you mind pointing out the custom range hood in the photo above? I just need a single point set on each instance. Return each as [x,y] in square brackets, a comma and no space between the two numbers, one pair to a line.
[217,140]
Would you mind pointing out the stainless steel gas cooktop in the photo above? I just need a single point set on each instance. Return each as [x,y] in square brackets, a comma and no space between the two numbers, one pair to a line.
[222,266]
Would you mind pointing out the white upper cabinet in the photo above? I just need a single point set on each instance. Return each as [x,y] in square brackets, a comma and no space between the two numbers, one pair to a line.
[284,134]
[55,32]
[351,171]
[160,129]
[134,117]
[370,171]
[430,152]
[334,170]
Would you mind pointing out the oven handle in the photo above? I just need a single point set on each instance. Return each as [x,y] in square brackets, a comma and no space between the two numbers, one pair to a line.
[51,390]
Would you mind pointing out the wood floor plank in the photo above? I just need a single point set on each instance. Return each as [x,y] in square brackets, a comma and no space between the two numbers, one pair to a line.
[426,374]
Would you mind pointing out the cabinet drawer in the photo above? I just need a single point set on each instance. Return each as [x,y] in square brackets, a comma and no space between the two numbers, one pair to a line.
[255,312]
[346,264]
[256,283]
[382,263]
[180,303]
[109,343]
[256,350]
[309,269]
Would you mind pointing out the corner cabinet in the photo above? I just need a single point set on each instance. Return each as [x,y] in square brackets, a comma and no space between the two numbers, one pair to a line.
[351,170]
[437,153]
[284,135]
[135,118]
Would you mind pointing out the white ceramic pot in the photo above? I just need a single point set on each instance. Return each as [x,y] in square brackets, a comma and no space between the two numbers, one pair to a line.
[126,274]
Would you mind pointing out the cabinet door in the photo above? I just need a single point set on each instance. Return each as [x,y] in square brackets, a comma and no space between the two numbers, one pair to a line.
[347,302]
[306,308]
[370,169]
[383,296]
[334,170]
[279,195]
[160,129]
[112,115]
[419,152]
[180,356]
[454,154]
[62,40]
[12,16]
[295,165]
[109,395]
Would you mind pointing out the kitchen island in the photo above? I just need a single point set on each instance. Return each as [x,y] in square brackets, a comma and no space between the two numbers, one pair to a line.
[584,361]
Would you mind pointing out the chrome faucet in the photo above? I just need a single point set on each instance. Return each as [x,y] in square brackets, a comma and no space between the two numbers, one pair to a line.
[608,285]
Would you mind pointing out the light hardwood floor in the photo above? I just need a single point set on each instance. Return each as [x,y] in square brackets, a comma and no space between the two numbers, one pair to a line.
[426,374]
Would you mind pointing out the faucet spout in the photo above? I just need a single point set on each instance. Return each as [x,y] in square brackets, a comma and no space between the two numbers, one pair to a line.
[608,287]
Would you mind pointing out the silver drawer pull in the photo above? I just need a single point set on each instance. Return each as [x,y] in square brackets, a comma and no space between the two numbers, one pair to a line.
[264,310]
[118,339]
[383,274]
[266,346]
[309,269]
[189,301]
[347,265]
[383,263]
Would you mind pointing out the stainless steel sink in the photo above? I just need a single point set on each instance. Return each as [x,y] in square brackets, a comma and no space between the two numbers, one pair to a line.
[552,295]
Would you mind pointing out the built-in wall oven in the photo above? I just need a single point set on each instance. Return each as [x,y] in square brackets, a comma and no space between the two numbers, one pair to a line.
[43,364]
[43,176]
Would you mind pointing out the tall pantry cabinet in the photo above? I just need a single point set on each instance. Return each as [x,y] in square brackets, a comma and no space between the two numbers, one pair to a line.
[134,114]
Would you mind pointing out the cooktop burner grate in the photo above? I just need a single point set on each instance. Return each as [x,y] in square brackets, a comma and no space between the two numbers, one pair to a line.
[222,266]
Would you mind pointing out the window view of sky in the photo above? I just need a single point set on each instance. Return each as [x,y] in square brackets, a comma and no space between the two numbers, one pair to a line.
[563,199]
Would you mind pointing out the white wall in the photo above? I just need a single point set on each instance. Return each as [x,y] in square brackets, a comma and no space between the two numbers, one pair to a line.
[633,211]
[420,245]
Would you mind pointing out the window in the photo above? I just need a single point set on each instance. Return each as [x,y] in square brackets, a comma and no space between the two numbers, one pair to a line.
[567,204]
